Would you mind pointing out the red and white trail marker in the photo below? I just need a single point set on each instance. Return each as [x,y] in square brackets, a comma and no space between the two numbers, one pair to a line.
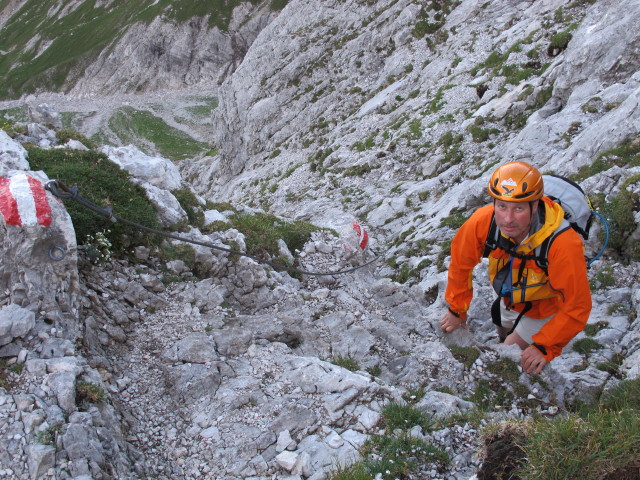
[23,201]
[362,235]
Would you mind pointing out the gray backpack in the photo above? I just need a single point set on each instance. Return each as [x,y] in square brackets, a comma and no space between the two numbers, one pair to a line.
[576,205]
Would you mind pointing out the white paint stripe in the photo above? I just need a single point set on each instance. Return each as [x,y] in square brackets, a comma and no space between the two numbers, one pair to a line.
[21,192]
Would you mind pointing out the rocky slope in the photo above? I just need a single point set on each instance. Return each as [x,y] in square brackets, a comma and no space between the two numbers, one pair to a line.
[389,112]
[100,48]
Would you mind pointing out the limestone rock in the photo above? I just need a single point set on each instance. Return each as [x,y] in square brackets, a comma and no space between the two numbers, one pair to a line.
[15,322]
[46,115]
[13,155]
[41,459]
[443,404]
[159,172]
[38,247]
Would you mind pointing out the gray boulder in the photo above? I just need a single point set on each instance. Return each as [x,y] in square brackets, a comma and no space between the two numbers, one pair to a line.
[157,171]
[13,155]
[46,115]
[38,248]
[15,321]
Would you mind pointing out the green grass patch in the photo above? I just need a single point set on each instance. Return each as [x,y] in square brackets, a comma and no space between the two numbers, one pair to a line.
[178,251]
[16,114]
[368,144]
[506,369]
[405,416]
[589,448]
[390,457]
[619,213]
[586,345]
[17,368]
[626,395]
[203,111]
[403,274]
[13,129]
[603,278]
[414,395]
[186,253]
[494,60]
[141,127]
[347,362]
[398,456]
[4,375]
[596,441]
[591,329]
[612,366]
[49,435]
[88,393]
[490,393]
[465,355]
[355,471]
[515,74]
[64,135]
[626,155]
[415,128]
[455,220]
[445,251]
[220,206]
[437,102]
[395,453]
[290,171]
[448,139]
[479,134]
[104,183]
[262,231]
[358,170]
[474,416]
[278,4]
[561,40]
[190,204]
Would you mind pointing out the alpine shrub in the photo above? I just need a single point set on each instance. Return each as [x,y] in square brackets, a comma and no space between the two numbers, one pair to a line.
[104,183]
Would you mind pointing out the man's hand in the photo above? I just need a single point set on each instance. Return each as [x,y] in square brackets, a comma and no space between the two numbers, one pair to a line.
[532,360]
[450,322]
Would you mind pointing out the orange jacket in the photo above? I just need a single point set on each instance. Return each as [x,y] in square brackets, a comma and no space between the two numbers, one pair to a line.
[570,295]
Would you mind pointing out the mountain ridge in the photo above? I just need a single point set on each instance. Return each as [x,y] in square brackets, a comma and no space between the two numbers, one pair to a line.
[88,48]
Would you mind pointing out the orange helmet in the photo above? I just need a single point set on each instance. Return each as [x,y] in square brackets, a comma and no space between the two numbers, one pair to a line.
[516,182]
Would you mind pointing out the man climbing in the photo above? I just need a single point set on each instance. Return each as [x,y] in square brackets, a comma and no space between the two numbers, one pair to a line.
[544,299]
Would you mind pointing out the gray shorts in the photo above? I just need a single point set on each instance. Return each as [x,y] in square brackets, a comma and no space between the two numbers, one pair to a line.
[527,326]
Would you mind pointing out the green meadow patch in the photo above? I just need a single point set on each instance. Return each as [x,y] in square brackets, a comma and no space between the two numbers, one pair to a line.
[141,127]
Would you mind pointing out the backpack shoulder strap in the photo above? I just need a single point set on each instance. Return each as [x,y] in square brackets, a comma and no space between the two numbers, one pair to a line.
[542,251]
[491,243]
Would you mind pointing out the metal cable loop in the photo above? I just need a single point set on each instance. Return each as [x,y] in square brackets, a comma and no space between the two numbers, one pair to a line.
[54,186]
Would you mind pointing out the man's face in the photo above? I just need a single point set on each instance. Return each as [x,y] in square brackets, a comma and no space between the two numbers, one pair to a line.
[514,218]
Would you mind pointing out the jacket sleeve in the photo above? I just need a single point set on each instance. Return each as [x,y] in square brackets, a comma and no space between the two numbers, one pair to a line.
[466,251]
[567,276]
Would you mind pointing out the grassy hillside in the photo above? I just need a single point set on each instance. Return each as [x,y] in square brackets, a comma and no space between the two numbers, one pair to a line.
[46,47]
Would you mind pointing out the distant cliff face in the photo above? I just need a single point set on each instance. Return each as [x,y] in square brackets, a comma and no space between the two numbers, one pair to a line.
[166,55]
[98,48]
